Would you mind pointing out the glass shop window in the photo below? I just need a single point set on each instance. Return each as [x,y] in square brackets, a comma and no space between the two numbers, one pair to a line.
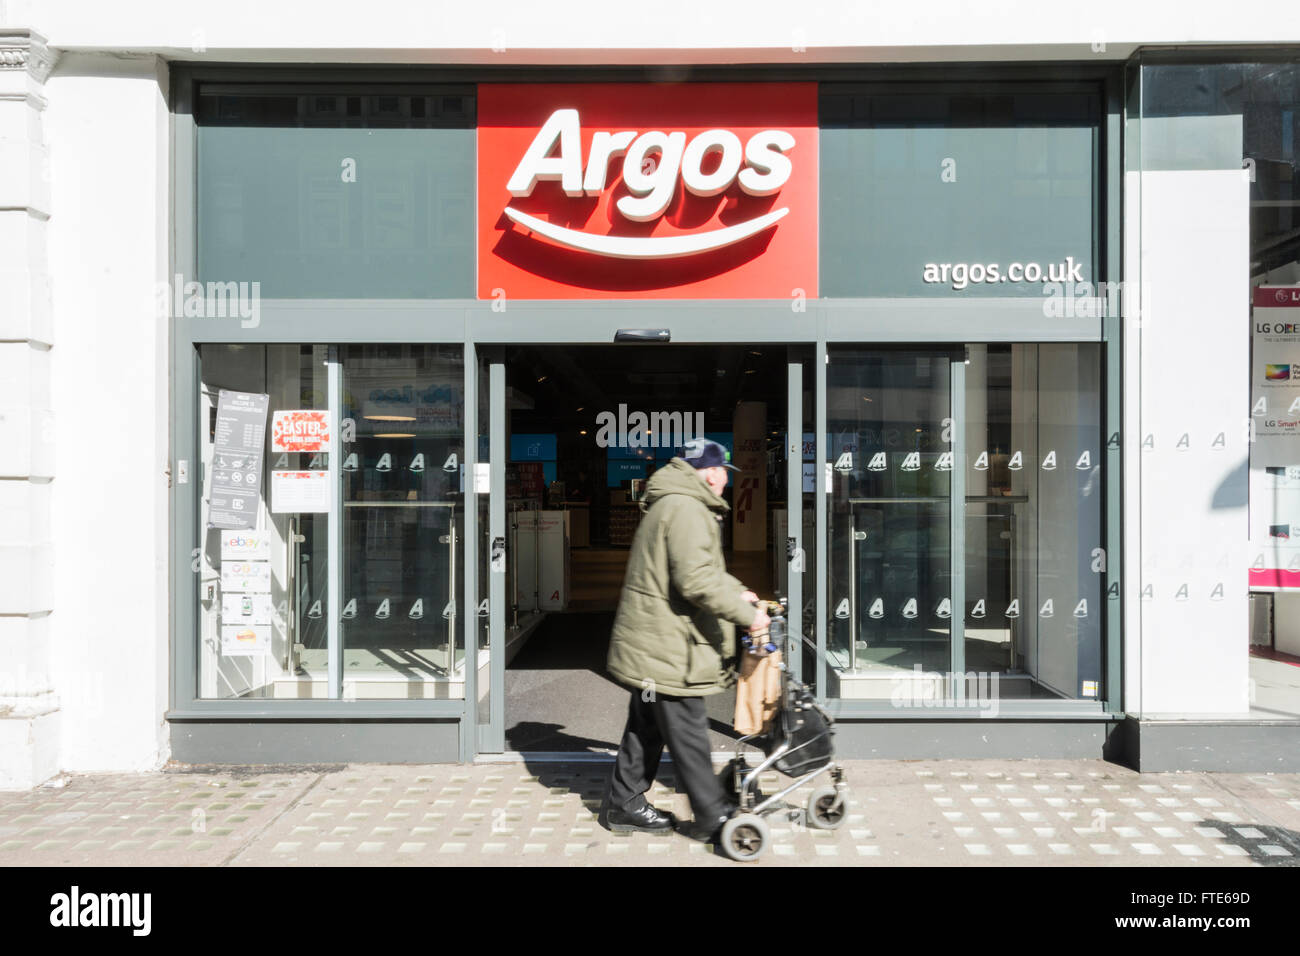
[1028,590]
[275,503]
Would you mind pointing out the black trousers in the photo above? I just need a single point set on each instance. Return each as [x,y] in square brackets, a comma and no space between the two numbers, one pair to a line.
[683,724]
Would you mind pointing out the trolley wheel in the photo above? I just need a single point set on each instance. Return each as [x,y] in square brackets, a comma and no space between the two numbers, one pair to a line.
[745,837]
[826,809]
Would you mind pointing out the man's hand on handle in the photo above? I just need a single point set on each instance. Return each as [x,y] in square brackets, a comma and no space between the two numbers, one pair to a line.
[761,620]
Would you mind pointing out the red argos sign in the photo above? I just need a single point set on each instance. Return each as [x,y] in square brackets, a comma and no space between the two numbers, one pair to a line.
[674,191]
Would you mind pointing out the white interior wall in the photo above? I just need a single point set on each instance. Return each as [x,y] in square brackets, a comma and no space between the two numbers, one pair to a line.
[1194,402]
[1068,501]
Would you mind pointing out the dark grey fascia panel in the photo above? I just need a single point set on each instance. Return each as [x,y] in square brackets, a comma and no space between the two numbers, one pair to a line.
[1215,54]
[313,742]
[323,321]
[926,740]
[1228,746]
[689,321]
[916,320]
[913,320]
[957,321]
[842,709]
[250,709]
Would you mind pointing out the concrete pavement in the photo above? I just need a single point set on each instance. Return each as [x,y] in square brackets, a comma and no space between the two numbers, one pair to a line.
[946,813]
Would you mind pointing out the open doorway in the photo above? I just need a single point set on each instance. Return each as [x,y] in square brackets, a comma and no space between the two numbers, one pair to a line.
[588,426]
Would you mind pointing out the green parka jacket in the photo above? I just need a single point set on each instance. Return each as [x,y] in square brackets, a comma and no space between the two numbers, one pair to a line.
[677,613]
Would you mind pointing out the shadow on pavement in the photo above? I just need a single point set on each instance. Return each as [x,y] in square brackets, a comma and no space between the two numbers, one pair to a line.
[1243,836]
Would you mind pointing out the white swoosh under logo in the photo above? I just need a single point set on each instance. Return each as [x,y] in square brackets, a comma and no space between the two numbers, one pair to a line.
[645,247]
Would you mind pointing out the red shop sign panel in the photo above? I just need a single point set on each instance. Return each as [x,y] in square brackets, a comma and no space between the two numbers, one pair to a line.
[669,191]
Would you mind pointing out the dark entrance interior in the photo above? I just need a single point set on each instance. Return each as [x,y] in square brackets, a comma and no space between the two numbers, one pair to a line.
[576,450]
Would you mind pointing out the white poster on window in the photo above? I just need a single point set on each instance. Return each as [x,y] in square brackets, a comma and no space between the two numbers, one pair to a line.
[1275,450]
[246,576]
[245,609]
[300,492]
[245,640]
[235,485]
[246,545]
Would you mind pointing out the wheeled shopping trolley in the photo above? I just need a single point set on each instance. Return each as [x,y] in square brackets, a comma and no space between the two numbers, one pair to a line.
[799,743]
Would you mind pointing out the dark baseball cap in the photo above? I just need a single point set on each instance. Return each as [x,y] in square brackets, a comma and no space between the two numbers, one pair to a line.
[703,453]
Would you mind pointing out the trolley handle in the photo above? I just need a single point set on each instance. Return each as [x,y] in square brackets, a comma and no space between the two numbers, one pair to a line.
[774,638]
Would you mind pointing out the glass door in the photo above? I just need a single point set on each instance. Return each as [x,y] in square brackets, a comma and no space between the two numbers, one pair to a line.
[892,534]
[765,433]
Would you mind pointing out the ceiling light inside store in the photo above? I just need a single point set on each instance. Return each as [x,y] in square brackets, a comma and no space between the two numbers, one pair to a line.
[393,435]
[389,418]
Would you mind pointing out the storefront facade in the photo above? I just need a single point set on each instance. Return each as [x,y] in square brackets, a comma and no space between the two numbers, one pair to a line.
[996,541]
[860,318]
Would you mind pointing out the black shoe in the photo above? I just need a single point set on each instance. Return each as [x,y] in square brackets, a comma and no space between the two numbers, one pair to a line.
[647,818]
[707,830]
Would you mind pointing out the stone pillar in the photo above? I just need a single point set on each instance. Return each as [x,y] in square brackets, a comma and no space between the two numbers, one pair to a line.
[29,712]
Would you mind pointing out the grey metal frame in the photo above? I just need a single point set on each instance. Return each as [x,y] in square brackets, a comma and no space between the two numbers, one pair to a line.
[1112,474]
[794,516]
[474,323]
[469,598]
[334,544]
[821,475]
[491,736]
[957,525]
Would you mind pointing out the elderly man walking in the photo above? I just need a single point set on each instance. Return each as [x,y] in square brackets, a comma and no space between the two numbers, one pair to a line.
[674,640]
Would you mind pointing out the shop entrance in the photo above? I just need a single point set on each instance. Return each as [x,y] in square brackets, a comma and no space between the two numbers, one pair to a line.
[585,428]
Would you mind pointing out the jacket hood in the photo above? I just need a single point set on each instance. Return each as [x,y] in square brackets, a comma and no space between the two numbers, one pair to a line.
[679,478]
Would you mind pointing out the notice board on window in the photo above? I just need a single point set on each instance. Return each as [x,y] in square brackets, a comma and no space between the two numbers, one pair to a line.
[238,445]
